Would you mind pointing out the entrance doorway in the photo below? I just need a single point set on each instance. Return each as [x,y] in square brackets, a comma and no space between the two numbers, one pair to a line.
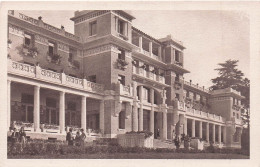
[157,125]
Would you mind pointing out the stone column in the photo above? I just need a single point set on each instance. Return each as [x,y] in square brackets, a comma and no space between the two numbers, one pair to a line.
[219,134]
[8,103]
[160,52]
[200,129]
[135,117]
[207,131]
[141,42]
[62,112]
[116,22]
[152,111]
[150,48]
[193,128]
[140,125]
[224,134]
[36,109]
[164,124]
[135,111]
[213,133]
[101,116]
[185,126]
[83,113]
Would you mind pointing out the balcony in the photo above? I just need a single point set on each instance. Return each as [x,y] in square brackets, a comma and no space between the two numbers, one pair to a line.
[196,86]
[147,54]
[38,73]
[148,75]
[181,106]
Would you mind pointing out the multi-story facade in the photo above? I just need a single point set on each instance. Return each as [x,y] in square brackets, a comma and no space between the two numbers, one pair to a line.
[109,78]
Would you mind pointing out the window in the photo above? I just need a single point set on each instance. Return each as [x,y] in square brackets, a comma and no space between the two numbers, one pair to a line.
[178,96]
[27,98]
[121,55]
[51,48]
[121,79]
[92,28]
[71,106]
[177,77]
[92,78]
[27,39]
[121,27]
[50,102]
[145,94]
[71,54]
[121,120]
[177,56]
[234,114]
[237,116]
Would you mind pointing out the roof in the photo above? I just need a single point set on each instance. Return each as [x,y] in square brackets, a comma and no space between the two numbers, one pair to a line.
[79,14]
[141,32]
[172,41]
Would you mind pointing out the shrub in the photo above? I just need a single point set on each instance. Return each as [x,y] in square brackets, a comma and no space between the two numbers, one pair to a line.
[35,148]
[53,148]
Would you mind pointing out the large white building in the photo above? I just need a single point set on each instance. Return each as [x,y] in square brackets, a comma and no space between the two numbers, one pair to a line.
[109,78]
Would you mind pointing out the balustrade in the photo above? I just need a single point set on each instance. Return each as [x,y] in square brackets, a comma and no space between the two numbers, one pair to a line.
[198,113]
[73,80]
[43,74]
[45,25]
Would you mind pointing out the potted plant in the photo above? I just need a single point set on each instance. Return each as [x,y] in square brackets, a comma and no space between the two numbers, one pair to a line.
[122,64]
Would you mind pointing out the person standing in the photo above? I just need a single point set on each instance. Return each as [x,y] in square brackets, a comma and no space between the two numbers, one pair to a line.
[82,137]
[69,137]
[22,136]
[77,138]
[15,136]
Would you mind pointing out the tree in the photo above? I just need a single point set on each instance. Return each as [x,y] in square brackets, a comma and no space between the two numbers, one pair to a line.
[230,76]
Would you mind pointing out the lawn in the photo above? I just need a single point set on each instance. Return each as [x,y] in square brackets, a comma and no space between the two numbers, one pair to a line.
[148,155]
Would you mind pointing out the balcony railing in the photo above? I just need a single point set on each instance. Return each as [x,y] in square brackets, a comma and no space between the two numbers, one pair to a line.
[45,25]
[196,86]
[227,90]
[51,76]
[189,111]
[146,74]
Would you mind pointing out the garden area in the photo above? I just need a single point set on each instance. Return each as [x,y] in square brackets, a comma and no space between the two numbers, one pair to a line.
[109,149]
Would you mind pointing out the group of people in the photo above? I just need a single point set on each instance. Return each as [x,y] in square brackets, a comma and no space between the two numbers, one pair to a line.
[78,140]
[17,137]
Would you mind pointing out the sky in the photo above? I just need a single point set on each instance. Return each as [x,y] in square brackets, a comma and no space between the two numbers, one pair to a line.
[210,37]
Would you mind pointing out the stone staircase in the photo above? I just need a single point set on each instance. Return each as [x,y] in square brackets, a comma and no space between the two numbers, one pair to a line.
[163,144]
